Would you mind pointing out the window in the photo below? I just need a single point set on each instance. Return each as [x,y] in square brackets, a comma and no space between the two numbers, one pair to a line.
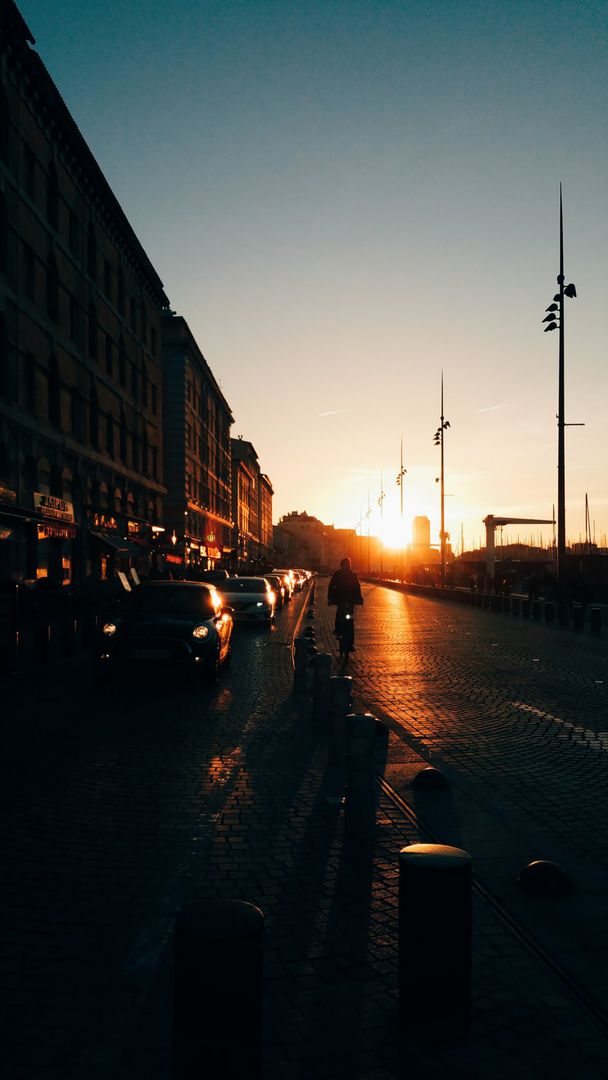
[110,434]
[155,463]
[134,380]
[144,387]
[122,362]
[74,232]
[4,127]
[29,272]
[123,437]
[92,331]
[54,393]
[133,310]
[144,452]
[153,340]
[154,399]
[76,413]
[109,354]
[4,372]
[91,252]
[121,291]
[30,171]
[52,196]
[52,288]
[29,382]
[107,278]
[74,319]
[3,235]
[94,420]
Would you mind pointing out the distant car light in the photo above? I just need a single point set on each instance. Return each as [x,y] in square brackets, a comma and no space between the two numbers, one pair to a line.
[110,628]
[260,603]
[200,632]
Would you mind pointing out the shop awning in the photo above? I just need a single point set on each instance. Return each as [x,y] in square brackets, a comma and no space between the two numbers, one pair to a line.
[116,543]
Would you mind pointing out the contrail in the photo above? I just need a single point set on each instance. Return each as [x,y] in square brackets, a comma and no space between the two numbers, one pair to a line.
[332,412]
[491,408]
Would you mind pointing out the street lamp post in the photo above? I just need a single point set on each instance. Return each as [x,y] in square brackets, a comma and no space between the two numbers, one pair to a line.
[438,439]
[380,504]
[400,482]
[555,321]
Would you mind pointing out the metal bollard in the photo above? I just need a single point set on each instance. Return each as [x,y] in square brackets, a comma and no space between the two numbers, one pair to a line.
[320,687]
[340,703]
[217,1005]
[360,817]
[301,646]
[578,616]
[595,620]
[435,936]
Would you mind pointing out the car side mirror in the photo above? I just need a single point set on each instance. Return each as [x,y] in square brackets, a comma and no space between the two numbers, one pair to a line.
[227,610]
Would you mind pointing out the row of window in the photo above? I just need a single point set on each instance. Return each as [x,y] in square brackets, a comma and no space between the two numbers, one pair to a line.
[42,188]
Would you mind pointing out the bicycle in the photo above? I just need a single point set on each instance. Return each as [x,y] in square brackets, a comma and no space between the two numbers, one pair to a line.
[345,629]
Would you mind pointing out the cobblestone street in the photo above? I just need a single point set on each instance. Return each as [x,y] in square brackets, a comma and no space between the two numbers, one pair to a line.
[120,807]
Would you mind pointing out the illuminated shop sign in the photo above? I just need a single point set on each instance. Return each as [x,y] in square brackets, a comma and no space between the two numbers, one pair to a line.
[103,521]
[48,531]
[53,507]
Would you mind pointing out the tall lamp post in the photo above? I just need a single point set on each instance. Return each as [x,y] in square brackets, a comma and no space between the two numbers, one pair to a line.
[438,440]
[381,499]
[400,482]
[555,321]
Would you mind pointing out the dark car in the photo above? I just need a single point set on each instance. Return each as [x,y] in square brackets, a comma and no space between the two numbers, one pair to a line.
[168,624]
[278,587]
[216,577]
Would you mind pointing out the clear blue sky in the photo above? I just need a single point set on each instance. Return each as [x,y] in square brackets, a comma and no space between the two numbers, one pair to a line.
[343,198]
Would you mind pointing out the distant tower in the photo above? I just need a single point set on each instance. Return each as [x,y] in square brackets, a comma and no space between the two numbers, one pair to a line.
[421,532]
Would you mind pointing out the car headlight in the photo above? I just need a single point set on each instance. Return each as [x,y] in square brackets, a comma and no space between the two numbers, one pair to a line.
[110,628]
[200,632]
[260,603]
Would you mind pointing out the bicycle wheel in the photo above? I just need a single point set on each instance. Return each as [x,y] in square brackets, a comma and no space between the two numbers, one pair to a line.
[347,637]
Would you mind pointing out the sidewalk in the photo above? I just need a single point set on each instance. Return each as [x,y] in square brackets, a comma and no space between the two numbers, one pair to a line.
[331,983]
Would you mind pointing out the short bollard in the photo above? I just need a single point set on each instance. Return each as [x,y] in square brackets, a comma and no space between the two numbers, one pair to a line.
[301,647]
[435,936]
[340,703]
[309,632]
[360,817]
[320,687]
[578,616]
[217,1004]
[595,620]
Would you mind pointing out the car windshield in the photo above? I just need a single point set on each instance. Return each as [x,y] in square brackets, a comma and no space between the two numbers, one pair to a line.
[244,585]
[181,601]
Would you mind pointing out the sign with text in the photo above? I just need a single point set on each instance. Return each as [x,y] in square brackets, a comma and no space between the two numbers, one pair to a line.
[54,507]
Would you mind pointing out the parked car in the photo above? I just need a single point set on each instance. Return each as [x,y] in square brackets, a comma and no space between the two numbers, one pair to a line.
[278,587]
[251,599]
[165,624]
[301,574]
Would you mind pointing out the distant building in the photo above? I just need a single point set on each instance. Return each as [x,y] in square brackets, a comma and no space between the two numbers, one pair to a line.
[81,482]
[251,509]
[197,454]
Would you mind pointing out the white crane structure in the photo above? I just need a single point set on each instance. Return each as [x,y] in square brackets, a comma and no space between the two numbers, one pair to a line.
[492,523]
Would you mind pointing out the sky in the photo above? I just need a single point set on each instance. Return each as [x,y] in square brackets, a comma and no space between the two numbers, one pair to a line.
[347,198]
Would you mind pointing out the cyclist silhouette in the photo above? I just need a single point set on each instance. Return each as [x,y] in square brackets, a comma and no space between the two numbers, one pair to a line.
[344,588]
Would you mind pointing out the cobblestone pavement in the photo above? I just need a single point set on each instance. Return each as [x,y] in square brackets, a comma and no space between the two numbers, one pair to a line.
[117,810]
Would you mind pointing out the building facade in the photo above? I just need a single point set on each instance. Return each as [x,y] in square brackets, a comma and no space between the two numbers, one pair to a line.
[251,509]
[199,517]
[81,482]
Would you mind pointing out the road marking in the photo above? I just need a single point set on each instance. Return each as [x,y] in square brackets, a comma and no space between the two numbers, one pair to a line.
[581,734]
